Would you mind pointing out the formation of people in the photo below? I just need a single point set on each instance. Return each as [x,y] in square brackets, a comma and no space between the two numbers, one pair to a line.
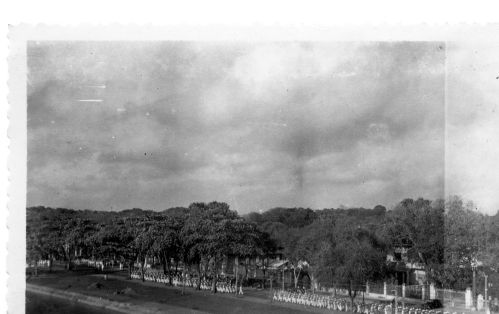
[300,297]
[344,305]
[312,299]
[39,263]
[223,286]
[99,264]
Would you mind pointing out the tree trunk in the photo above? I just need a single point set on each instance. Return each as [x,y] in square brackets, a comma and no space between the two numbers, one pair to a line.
[166,268]
[264,277]
[183,281]
[312,285]
[68,264]
[215,276]
[163,262]
[130,265]
[206,264]
[352,293]
[68,256]
[245,269]
[169,268]
[198,267]
[142,265]
[296,276]
[214,284]
[237,271]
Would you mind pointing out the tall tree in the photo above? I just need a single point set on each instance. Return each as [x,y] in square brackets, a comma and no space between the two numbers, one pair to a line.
[465,239]
[143,242]
[77,233]
[418,226]
[316,247]
[167,242]
[359,256]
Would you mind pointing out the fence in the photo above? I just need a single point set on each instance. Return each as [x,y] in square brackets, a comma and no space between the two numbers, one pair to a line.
[451,297]
[419,292]
[416,292]
[377,288]
[385,289]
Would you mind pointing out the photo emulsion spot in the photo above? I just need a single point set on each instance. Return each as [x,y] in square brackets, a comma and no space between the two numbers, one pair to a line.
[262,177]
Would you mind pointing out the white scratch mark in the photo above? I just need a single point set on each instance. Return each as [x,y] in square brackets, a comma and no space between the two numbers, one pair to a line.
[90,100]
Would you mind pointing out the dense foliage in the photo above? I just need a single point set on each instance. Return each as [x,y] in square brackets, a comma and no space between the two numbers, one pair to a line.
[334,247]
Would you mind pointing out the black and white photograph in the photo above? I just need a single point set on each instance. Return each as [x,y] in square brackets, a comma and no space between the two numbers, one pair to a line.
[261,176]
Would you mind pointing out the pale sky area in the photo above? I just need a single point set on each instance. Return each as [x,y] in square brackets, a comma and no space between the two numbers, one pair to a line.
[116,125]
[472,141]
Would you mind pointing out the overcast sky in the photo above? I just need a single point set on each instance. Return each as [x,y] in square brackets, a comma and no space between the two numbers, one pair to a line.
[115,125]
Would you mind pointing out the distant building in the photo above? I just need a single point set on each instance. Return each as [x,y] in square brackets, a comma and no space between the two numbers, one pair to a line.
[406,271]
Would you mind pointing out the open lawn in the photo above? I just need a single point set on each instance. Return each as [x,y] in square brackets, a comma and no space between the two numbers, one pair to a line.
[39,304]
[117,288]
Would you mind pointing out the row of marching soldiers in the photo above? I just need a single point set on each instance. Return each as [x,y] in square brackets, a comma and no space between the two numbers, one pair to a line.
[205,284]
[311,299]
[344,305]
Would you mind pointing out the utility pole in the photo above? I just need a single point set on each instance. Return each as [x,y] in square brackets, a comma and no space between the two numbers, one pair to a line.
[486,296]
[403,297]
[394,308]
[396,294]
[474,286]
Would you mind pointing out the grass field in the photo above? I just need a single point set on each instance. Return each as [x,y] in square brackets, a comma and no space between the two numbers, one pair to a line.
[38,304]
[145,294]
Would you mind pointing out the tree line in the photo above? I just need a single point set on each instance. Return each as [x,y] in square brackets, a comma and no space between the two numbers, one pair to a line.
[334,247]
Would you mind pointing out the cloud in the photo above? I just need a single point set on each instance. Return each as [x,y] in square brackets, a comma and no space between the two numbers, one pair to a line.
[254,124]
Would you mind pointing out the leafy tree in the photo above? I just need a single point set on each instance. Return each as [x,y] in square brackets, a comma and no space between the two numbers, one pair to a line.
[247,241]
[417,225]
[291,217]
[77,233]
[118,239]
[219,236]
[358,256]
[143,242]
[490,254]
[294,255]
[316,247]
[47,232]
[192,237]
[167,242]
[465,238]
